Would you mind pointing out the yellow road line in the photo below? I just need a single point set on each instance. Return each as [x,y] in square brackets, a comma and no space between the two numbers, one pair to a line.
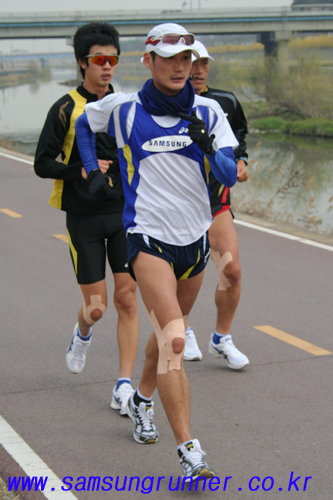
[61,237]
[10,212]
[295,341]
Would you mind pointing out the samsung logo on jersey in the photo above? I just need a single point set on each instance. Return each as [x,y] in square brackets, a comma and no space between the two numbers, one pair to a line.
[167,143]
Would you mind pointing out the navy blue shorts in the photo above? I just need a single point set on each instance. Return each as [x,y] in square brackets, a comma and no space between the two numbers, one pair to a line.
[186,261]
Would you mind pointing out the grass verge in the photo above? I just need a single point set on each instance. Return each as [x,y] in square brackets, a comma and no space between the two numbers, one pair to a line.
[5,494]
[312,127]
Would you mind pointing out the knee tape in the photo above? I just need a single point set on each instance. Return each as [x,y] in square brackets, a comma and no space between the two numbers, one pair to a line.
[95,303]
[168,359]
[221,262]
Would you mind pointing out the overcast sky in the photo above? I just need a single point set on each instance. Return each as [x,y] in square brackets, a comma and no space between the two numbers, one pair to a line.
[42,6]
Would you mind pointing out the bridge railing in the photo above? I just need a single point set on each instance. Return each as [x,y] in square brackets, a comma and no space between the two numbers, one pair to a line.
[140,14]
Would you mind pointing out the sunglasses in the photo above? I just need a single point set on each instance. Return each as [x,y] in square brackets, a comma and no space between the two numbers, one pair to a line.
[171,39]
[101,59]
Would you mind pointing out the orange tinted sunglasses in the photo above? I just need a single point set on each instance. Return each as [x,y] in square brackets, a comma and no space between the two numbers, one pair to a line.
[100,59]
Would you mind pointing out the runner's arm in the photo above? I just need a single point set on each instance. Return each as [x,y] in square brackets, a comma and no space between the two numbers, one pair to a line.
[49,155]
[239,128]
[86,142]
[223,165]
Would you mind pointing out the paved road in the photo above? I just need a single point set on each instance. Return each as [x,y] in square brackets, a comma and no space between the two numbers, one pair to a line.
[273,420]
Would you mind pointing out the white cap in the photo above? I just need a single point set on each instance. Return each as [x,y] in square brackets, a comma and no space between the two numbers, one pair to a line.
[202,51]
[169,49]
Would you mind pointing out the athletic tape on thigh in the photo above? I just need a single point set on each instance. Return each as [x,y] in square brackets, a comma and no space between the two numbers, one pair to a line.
[95,303]
[221,262]
[168,359]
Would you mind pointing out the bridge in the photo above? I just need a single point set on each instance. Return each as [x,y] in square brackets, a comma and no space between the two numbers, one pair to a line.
[283,21]
[273,26]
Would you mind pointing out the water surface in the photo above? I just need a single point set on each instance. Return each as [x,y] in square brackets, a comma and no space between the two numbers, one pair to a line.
[290,179]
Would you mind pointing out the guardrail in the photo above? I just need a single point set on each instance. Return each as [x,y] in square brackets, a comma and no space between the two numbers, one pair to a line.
[139,14]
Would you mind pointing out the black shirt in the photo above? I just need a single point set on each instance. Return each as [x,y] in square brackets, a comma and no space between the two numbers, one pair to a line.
[57,157]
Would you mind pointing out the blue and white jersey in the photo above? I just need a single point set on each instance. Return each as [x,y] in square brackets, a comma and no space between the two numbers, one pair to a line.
[165,175]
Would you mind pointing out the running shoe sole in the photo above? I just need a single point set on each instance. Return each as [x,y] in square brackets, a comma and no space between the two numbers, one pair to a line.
[203,474]
[192,358]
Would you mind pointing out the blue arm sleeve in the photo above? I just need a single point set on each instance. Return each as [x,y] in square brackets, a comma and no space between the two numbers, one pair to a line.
[223,166]
[86,143]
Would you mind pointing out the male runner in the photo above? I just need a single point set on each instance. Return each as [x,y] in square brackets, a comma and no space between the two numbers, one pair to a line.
[222,235]
[94,226]
[168,138]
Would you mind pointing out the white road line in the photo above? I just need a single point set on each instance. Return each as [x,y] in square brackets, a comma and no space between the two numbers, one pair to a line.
[12,157]
[284,235]
[31,463]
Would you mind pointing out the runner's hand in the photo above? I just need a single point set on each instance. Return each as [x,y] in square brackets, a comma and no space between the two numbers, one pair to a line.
[242,173]
[103,165]
[198,132]
[101,186]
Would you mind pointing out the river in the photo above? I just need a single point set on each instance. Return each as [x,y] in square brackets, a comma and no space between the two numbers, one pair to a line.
[290,179]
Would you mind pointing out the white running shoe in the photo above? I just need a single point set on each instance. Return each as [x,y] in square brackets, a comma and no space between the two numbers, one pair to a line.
[120,397]
[145,431]
[192,351]
[226,349]
[76,352]
[192,461]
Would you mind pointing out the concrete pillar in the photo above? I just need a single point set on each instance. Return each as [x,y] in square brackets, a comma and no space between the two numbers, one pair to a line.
[79,78]
[269,43]
[276,49]
[282,57]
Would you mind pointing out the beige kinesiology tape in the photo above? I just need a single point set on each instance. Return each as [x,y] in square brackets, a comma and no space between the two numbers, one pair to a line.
[221,262]
[95,303]
[168,359]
